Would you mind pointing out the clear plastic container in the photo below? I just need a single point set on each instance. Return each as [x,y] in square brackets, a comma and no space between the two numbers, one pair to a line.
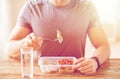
[56,64]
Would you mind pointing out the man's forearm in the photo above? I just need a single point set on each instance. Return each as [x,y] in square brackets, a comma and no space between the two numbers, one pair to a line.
[13,48]
[102,53]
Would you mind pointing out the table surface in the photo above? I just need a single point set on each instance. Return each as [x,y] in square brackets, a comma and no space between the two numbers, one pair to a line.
[11,69]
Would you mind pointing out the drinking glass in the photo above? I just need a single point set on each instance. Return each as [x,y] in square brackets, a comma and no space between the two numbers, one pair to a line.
[27,62]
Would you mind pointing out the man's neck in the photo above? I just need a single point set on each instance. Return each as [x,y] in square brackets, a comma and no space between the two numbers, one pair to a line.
[60,2]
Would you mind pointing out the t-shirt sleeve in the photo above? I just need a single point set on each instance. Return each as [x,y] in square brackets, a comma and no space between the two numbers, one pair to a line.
[94,16]
[24,17]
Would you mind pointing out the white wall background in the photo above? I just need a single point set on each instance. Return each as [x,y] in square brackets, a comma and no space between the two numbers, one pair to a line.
[9,10]
[4,24]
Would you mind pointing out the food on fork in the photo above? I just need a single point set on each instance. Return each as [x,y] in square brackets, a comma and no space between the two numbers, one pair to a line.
[59,36]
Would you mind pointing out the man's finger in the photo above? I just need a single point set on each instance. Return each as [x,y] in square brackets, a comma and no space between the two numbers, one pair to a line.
[79,60]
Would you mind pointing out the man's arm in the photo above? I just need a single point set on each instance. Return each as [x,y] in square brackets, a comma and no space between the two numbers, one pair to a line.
[100,42]
[16,41]
[102,52]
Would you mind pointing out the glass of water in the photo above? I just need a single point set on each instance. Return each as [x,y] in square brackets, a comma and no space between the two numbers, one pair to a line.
[27,62]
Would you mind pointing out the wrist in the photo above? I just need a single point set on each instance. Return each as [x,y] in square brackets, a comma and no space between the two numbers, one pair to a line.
[97,61]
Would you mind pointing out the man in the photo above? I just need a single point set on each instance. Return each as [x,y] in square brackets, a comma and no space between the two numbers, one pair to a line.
[59,28]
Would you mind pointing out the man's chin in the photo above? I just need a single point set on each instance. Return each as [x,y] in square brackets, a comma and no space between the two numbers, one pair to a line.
[60,3]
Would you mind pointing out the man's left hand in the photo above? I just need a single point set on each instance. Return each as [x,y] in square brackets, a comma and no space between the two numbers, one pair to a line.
[85,65]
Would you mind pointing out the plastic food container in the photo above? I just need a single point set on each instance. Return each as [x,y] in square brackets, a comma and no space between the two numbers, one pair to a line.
[56,64]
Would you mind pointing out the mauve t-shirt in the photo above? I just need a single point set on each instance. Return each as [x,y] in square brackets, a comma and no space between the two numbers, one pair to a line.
[72,20]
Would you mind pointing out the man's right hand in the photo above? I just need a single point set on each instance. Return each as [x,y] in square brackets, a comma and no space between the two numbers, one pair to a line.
[34,41]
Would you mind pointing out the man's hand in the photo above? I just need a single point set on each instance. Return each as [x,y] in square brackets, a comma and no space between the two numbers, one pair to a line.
[34,41]
[85,66]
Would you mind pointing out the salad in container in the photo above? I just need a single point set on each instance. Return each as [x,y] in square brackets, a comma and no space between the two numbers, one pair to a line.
[56,64]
